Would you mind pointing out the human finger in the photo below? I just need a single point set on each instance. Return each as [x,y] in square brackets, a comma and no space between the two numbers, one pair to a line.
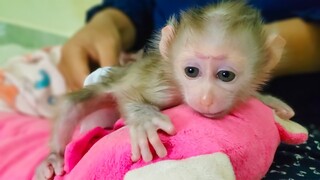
[74,65]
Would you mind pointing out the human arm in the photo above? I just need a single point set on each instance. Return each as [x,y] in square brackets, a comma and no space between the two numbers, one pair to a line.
[102,39]
[302,46]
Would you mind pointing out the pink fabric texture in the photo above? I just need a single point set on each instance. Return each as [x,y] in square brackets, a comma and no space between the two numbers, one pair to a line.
[23,145]
[249,136]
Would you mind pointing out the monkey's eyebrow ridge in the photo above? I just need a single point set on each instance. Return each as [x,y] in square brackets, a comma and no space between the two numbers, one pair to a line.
[210,57]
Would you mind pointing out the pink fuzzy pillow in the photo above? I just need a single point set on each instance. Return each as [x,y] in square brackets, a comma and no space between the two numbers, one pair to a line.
[249,137]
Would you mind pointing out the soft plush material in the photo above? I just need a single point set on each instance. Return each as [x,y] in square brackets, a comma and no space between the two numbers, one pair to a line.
[29,83]
[241,146]
[23,145]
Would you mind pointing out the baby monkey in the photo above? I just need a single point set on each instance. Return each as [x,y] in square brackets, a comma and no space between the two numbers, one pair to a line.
[212,59]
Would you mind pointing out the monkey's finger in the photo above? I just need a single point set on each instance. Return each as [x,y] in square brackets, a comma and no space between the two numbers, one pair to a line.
[48,172]
[156,143]
[135,150]
[164,124]
[144,146]
[58,169]
[283,110]
[289,111]
[57,163]
[44,171]
[285,113]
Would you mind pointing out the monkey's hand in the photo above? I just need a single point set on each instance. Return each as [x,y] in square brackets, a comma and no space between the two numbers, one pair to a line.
[282,109]
[51,166]
[143,126]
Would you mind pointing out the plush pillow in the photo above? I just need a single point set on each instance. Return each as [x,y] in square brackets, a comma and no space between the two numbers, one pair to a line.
[241,145]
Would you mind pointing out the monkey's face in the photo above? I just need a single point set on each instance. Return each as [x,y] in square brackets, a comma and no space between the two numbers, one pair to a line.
[212,79]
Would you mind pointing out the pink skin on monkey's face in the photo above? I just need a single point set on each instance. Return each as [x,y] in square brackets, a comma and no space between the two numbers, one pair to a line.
[211,77]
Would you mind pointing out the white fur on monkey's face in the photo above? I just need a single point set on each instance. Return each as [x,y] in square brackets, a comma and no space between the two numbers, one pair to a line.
[211,75]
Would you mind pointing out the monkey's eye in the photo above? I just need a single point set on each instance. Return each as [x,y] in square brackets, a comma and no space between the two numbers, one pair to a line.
[191,71]
[226,76]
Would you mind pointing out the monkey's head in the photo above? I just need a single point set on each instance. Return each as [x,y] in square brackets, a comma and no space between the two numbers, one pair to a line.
[220,55]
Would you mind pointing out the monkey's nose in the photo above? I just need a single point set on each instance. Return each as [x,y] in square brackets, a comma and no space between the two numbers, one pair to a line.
[206,100]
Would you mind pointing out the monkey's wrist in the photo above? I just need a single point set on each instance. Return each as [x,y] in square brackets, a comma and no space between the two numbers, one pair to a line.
[96,75]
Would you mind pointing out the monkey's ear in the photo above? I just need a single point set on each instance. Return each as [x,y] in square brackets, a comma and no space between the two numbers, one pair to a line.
[167,35]
[275,47]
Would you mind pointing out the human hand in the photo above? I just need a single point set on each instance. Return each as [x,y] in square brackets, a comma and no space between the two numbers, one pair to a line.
[281,109]
[101,40]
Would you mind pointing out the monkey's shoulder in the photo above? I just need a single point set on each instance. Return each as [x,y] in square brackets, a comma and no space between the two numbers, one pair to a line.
[148,68]
[148,79]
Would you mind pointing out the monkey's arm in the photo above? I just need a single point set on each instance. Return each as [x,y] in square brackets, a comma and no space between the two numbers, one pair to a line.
[71,110]
[302,46]
[64,124]
[282,109]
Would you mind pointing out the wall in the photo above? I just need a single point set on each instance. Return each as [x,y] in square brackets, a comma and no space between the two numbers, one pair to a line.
[60,17]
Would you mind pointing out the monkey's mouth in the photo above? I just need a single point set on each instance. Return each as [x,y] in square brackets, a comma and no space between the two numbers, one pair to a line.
[214,115]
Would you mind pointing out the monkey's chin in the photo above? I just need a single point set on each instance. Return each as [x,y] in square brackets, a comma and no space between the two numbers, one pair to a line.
[208,114]
[214,115]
